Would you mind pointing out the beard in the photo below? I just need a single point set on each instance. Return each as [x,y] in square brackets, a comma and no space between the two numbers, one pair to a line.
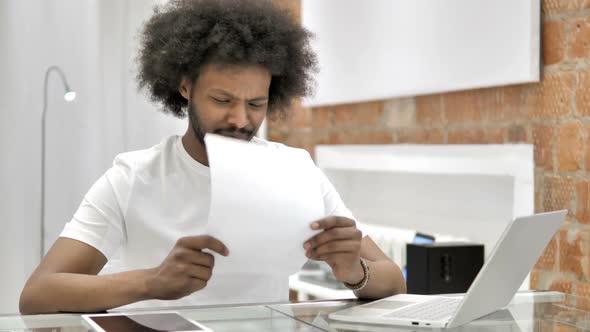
[245,134]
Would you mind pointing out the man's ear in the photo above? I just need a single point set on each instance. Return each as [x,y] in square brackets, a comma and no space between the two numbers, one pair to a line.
[185,88]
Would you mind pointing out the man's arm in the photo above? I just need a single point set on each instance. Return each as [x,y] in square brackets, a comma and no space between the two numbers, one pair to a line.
[340,244]
[385,277]
[67,281]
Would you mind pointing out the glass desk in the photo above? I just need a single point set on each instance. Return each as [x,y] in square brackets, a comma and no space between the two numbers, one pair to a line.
[528,311]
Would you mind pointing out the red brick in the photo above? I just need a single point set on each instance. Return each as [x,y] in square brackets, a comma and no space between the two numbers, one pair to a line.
[321,137]
[361,137]
[293,6]
[570,146]
[421,136]
[517,134]
[462,107]
[571,252]
[495,135]
[554,6]
[429,112]
[299,116]
[583,202]
[548,258]
[301,140]
[583,94]
[534,284]
[543,137]
[362,114]
[579,39]
[562,6]
[466,136]
[559,326]
[539,176]
[553,41]
[542,325]
[399,113]
[320,117]
[561,285]
[550,99]
[502,104]
[558,192]
[583,289]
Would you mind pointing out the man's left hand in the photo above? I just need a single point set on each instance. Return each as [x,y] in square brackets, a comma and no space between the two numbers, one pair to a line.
[339,245]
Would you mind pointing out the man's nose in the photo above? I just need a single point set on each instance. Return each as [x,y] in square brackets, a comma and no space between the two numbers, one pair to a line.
[238,116]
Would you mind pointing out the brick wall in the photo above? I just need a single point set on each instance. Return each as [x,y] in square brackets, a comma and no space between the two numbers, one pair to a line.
[554,115]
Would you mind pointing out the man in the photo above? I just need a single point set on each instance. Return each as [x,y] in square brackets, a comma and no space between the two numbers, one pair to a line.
[226,65]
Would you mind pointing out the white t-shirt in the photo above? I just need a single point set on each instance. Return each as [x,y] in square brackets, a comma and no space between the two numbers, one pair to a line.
[149,199]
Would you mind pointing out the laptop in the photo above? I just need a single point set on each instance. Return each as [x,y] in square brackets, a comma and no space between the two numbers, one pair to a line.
[514,255]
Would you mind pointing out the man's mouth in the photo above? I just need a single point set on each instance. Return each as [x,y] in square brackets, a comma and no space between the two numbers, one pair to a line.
[235,134]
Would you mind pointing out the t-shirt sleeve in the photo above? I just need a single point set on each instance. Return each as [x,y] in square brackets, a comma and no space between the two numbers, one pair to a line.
[333,204]
[99,220]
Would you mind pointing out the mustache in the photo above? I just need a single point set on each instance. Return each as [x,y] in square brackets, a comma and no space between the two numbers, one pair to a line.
[234,130]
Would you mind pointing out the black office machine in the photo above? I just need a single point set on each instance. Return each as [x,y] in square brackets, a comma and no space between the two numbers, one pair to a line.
[442,268]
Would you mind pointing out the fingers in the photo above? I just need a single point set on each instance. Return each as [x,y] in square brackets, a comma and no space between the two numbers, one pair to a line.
[194,257]
[197,284]
[203,242]
[203,259]
[331,222]
[199,272]
[332,258]
[339,236]
[337,233]
[334,247]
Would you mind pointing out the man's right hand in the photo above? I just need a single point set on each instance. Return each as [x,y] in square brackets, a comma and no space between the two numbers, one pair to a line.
[186,269]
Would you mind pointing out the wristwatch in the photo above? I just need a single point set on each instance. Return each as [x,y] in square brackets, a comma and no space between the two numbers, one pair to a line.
[361,284]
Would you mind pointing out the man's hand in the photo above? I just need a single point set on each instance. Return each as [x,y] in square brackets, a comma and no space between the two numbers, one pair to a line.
[339,245]
[186,269]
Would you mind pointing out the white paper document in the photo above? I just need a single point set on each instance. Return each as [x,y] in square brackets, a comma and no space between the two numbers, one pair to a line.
[263,200]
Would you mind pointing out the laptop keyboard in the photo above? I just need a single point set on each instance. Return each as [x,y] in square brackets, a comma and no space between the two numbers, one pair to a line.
[430,310]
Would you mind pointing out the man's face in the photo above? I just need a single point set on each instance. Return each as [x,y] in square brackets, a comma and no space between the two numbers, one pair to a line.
[229,100]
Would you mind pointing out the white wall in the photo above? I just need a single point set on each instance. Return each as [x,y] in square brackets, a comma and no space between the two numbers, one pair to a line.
[93,42]
[396,48]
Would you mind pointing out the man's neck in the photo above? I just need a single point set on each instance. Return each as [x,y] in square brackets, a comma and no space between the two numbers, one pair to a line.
[195,148]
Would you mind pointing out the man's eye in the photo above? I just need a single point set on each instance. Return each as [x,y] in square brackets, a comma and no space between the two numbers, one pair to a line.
[220,101]
[257,105]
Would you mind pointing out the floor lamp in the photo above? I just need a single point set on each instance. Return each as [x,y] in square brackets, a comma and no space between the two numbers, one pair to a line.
[69,95]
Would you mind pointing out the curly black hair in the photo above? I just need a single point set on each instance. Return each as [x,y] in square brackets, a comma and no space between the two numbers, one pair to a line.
[184,35]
